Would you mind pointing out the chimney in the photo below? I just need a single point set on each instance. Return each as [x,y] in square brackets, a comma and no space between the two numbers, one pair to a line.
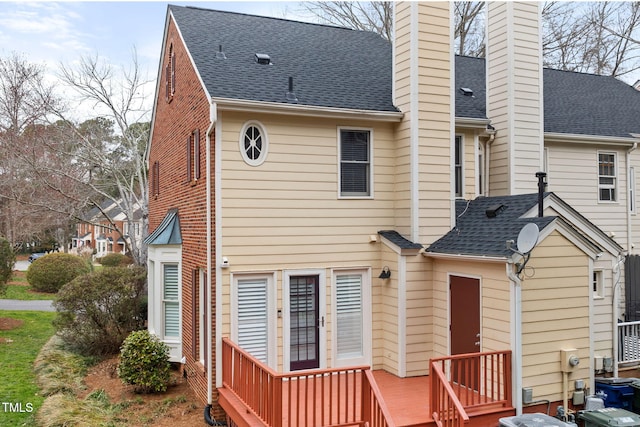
[514,95]
[542,186]
[423,91]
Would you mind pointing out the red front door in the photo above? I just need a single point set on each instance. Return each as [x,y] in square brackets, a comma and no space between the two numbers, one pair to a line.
[465,326]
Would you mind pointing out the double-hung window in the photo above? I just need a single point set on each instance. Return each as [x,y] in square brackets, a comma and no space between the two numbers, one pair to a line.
[458,165]
[355,163]
[607,177]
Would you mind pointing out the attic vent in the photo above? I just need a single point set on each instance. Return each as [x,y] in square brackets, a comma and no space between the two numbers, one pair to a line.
[263,58]
[220,53]
[291,96]
[466,91]
[493,210]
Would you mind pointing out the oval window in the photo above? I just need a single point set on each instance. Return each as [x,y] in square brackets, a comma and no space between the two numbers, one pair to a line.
[253,143]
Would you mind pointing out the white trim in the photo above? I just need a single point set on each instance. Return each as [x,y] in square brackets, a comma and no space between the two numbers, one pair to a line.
[462,168]
[201,319]
[600,292]
[286,314]
[265,143]
[367,322]
[259,107]
[511,93]
[588,139]
[616,183]
[414,140]
[213,264]
[371,194]
[468,122]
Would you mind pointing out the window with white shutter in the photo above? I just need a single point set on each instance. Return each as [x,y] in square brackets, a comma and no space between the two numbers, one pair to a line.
[349,315]
[252,317]
[170,301]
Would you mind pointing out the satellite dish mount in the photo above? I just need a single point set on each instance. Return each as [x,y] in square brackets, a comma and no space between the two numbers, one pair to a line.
[527,239]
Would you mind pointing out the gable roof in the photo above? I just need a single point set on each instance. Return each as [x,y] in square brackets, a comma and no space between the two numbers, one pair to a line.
[334,67]
[477,234]
[330,66]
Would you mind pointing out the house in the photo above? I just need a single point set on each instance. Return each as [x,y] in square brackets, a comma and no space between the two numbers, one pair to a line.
[104,230]
[325,205]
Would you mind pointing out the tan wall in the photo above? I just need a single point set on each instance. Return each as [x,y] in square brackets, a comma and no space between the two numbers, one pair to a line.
[514,94]
[419,315]
[385,338]
[555,315]
[495,311]
[423,92]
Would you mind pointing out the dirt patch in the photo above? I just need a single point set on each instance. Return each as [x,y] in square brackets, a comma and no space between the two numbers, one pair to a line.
[177,407]
[7,323]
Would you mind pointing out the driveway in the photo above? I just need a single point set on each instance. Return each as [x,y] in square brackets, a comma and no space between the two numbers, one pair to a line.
[21,265]
[36,305]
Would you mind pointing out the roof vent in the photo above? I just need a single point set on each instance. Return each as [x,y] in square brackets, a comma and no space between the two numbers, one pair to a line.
[291,96]
[220,53]
[263,59]
[466,91]
[493,210]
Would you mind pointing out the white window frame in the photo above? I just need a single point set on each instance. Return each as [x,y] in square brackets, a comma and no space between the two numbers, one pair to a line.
[367,344]
[271,311]
[613,186]
[597,283]
[286,314]
[347,195]
[632,190]
[458,167]
[481,175]
[265,143]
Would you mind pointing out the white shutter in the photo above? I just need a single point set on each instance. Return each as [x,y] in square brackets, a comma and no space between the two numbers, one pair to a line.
[171,306]
[349,315]
[252,317]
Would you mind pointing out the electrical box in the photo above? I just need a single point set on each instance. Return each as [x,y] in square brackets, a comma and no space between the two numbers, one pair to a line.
[527,395]
[569,360]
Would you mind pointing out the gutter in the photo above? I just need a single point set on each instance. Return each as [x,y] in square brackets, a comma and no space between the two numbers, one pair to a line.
[229,104]
[463,257]
[588,139]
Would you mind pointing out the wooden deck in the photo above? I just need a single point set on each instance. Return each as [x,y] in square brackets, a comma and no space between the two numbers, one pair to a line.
[407,398]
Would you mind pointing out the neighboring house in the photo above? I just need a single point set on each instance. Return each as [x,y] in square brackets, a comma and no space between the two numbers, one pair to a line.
[323,199]
[106,235]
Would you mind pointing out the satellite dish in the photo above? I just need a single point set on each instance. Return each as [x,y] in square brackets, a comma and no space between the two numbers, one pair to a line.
[527,238]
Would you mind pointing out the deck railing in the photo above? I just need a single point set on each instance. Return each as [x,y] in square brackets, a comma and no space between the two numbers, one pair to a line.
[629,342]
[477,380]
[328,397]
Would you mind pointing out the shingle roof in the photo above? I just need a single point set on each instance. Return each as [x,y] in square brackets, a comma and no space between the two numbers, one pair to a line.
[477,234]
[342,68]
[330,66]
[574,103]
[399,240]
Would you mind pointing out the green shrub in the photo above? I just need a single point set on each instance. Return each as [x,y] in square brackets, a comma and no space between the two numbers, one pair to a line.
[144,362]
[115,260]
[51,272]
[97,311]
[7,261]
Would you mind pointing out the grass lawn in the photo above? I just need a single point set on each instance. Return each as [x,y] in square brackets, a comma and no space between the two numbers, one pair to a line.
[19,347]
[18,288]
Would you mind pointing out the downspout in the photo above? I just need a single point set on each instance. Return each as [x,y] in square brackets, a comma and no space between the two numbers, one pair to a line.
[213,118]
[517,339]
[628,160]
[487,159]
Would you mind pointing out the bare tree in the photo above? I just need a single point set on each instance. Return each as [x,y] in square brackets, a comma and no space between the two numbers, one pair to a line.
[376,16]
[469,28]
[121,96]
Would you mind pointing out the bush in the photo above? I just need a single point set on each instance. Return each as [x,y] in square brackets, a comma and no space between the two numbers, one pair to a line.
[51,272]
[97,311]
[144,362]
[7,261]
[115,260]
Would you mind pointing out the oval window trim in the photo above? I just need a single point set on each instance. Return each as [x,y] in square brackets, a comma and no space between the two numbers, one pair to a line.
[253,143]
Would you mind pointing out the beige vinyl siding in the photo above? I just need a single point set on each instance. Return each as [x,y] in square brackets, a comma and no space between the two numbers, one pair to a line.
[515,96]
[495,310]
[576,182]
[423,81]
[419,313]
[555,315]
[385,315]
[603,311]
[470,165]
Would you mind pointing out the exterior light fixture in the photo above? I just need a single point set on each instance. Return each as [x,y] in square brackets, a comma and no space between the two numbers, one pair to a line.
[385,274]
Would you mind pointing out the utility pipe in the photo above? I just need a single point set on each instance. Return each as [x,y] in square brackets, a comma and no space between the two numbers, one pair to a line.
[517,339]
[213,118]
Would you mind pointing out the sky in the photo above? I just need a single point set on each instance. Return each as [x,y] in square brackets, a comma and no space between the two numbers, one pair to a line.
[49,32]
